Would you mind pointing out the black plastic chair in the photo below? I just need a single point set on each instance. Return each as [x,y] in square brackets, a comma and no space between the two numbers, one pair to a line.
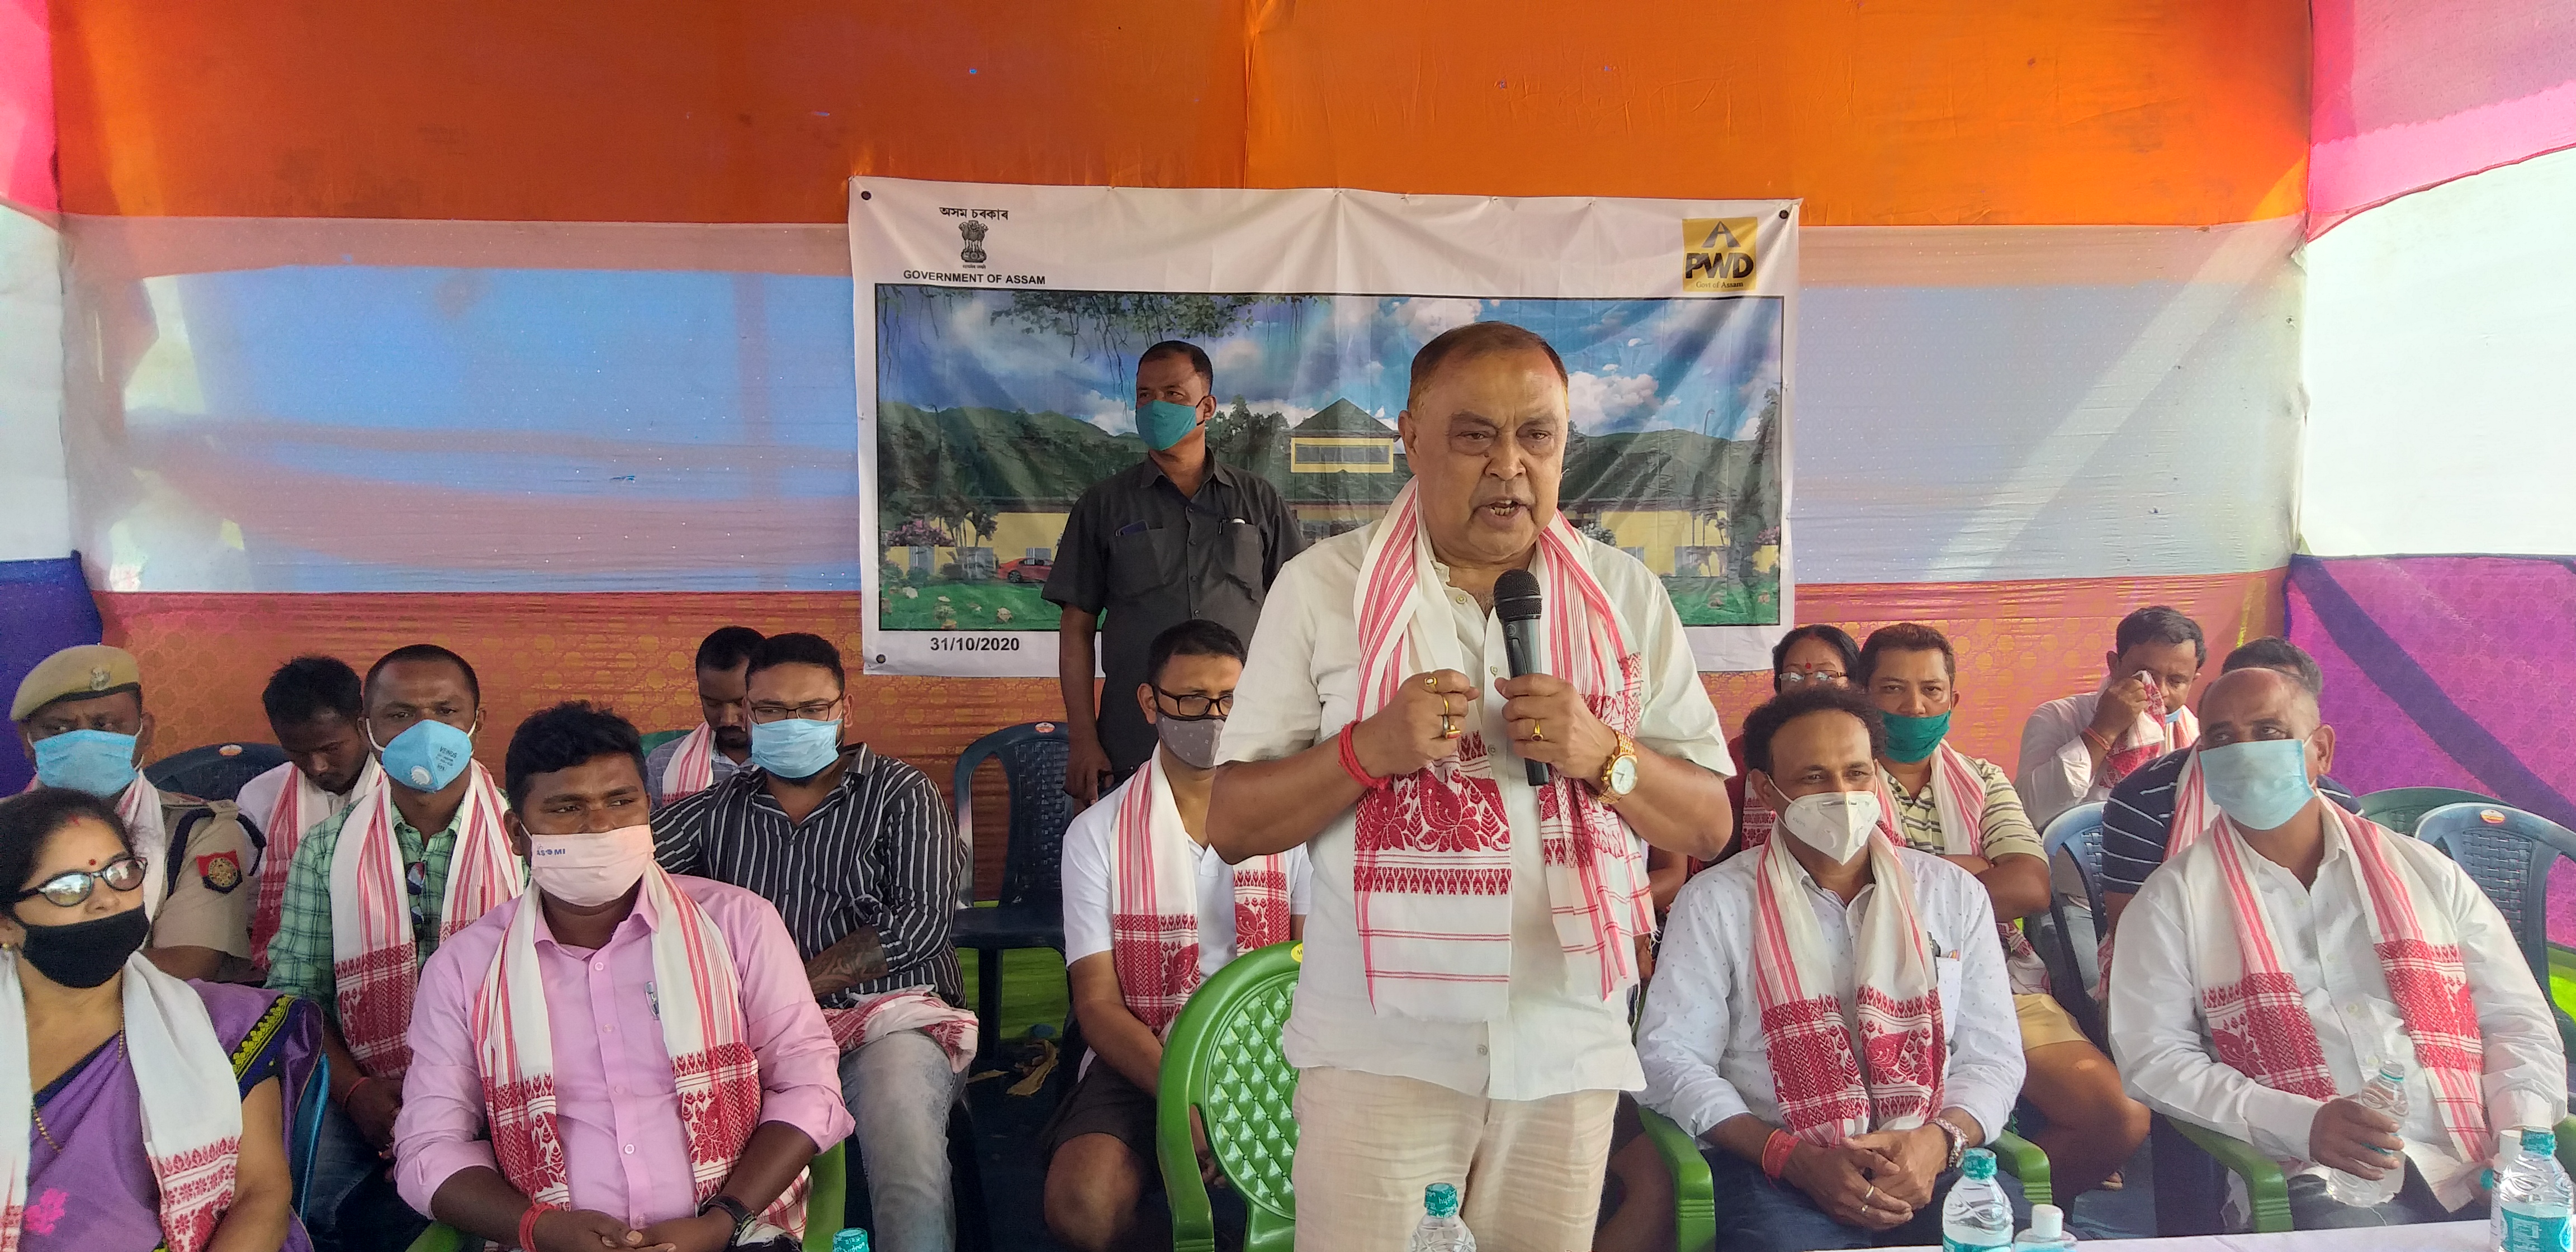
[1029,912]
[216,771]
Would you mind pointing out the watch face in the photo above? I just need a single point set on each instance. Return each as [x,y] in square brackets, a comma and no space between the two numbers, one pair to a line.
[1623,775]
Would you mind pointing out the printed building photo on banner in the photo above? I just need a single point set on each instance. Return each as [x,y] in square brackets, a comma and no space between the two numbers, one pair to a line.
[995,407]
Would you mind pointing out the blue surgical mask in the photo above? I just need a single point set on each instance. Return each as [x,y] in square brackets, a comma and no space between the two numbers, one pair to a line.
[1164,423]
[426,757]
[795,748]
[100,762]
[2261,784]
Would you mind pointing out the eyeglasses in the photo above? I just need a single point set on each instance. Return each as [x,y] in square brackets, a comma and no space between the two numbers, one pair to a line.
[811,711]
[69,888]
[1195,705]
[1796,676]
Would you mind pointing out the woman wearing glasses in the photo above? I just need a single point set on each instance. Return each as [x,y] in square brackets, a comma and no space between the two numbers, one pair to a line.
[113,1074]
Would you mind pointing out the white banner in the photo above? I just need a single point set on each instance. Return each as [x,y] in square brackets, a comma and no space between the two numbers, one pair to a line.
[998,328]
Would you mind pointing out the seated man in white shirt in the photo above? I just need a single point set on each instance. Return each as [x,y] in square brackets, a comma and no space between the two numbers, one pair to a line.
[1831,1016]
[317,708]
[1149,912]
[2074,750]
[1462,1013]
[2272,967]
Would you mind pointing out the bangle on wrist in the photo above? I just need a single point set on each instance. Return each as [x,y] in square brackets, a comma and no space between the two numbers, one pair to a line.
[352,1092]
[528,1224]
[1351,761]
[1775,1153]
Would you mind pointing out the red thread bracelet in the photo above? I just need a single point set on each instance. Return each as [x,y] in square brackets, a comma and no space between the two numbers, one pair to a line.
[528,1224]
[1351,761]
[1775,1153]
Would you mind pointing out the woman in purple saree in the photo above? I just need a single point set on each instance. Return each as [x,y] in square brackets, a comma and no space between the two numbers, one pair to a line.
[143,1129]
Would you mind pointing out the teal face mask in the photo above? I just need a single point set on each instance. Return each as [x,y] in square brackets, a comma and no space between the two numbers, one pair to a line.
[100,762]
[795,748]
[1910,739]
[1164,423]
[2261,784]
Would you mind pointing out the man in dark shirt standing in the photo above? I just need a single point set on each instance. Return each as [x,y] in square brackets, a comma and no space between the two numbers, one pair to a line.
[860,855]
[2137,817]
[1180,536]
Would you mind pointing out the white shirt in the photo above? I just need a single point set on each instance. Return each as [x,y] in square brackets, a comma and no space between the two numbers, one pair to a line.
[1701,1036]
[2057,771]
[1301,684]
[2324,940]
[1090,847]
[258,799]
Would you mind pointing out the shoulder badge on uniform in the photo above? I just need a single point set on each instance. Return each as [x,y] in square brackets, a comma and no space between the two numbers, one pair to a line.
[221,871]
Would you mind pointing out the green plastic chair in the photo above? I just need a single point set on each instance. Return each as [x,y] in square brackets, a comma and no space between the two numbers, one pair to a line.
[1694,1194]
[2400,808]
[1223,1060]
[824,1205]
[2267,1190]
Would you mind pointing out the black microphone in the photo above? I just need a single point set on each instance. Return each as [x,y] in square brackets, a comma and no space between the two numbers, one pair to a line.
[1516,601]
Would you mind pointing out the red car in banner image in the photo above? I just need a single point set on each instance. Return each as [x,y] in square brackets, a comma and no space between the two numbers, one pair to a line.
[1027,570]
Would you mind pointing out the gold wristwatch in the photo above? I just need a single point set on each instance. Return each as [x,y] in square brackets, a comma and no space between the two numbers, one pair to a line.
[1618,774]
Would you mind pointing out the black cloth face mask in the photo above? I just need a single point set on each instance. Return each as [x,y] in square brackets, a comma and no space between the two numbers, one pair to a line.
[86,954]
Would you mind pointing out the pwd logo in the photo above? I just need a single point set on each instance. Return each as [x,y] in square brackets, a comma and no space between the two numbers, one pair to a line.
[1717,253]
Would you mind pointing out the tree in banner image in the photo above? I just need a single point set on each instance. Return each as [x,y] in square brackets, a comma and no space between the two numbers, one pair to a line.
[1110,321]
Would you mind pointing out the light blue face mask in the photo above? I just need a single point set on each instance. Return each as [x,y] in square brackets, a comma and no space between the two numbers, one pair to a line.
[2261,784]
[795,748]
[1163,423]
[100,762]
[426,757]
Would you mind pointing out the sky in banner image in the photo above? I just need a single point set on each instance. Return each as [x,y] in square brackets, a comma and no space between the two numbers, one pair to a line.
[995,409]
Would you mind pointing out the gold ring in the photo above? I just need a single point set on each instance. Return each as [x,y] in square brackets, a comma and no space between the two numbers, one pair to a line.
[1865,1196]
[1444,707]
[1537,734]
[1431,682]
[1448,726]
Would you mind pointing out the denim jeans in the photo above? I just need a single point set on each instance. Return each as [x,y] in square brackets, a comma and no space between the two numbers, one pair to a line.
[899,1089]
[350,1206]
[1755,1214]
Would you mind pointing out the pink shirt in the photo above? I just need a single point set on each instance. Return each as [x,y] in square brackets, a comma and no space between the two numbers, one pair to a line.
[614,1099]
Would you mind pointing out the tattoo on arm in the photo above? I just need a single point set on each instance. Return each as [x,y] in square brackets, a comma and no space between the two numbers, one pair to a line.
[857,958]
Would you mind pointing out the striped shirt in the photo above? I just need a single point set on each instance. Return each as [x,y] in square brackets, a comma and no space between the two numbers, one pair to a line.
[2140,811]
[880,852]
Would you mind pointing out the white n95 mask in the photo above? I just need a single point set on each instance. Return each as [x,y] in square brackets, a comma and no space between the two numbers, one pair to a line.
[1836,823]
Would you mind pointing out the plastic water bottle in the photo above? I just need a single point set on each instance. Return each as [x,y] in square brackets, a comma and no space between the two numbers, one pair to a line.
[1441,1231]
[2508,1158]
[2384,1093]
[1977,1217]
[2532,1198]
[2047,1231]
[851,1239]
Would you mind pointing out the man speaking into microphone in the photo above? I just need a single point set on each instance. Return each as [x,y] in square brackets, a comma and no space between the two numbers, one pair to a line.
[1462,1014]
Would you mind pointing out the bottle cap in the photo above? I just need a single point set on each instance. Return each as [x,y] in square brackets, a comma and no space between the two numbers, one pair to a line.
[1440,1200]
[852,1239]
[2540,1141]
[2047,1221]
[1978,1165]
